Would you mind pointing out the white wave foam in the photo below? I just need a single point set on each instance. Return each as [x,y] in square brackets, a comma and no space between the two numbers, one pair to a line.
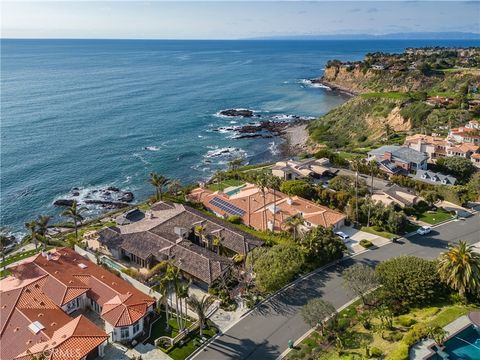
[290,117]
[141,158]
[273,147]
[309,83]
[152,148]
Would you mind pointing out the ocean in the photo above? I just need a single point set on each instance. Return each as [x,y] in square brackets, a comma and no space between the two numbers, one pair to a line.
[91,114]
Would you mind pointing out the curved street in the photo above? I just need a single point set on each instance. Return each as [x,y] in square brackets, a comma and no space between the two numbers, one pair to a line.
[264,332]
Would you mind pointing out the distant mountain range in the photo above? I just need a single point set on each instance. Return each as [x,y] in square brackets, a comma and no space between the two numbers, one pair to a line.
[392,36]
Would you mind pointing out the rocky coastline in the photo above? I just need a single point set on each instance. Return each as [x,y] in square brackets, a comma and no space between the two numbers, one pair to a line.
[105,198]
[334,87]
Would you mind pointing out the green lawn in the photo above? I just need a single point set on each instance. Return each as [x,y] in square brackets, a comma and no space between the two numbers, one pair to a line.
[224,184]
[4,273]
[387,95]
[434,217]
[191,343]
[158,328]
[350,155]
[19,256]
[375,231]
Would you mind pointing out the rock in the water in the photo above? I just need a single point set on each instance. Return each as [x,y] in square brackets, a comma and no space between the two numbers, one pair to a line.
[237,112]
[75,193]
[109,204]
[127,197]
[113,188]
[63,202]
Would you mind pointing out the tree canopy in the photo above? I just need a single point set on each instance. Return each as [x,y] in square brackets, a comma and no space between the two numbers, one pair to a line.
[410,279]
[459,167]
[275,267]
[299,188]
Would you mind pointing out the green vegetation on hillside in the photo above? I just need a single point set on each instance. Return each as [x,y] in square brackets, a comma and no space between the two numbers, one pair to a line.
[394,92]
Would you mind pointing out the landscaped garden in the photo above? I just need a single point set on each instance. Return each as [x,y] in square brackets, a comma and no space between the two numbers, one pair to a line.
[433,217]
[191,342]
[401,302]
[19,256]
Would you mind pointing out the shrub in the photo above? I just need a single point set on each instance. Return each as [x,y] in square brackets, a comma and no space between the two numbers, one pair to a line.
[376,352]
[366,243]
[275,267]
[235,219]
[299,188]
[415,334]
[406,321]
[400,353]
[394,336]
[410,279]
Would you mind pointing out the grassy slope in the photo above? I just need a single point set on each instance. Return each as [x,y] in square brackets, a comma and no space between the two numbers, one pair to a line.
[347,125]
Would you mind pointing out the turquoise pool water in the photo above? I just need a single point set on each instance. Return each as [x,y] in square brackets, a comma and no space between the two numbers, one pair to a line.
[112,264]
[235,191]
[465,345]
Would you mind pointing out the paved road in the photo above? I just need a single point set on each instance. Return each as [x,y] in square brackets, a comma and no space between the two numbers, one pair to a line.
[264,333]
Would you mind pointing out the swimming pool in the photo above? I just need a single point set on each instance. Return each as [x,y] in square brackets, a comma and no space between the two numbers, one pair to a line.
[112,264]
[463,346]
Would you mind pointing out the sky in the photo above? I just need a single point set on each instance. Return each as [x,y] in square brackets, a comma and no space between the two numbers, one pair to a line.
[231,19]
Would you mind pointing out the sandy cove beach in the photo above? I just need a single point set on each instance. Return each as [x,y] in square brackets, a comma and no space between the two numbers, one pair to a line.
[296,137]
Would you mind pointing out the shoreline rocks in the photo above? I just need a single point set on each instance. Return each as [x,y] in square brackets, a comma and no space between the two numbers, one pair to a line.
[237,112]
[111,197]
[333,87]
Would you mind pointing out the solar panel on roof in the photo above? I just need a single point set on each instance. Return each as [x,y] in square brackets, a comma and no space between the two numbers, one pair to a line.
[226,206]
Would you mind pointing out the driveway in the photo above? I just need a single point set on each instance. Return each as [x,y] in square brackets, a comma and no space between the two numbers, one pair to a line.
[264,333]
[357,235]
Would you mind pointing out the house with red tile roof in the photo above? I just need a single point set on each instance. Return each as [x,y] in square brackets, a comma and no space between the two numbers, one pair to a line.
[32,324]
[268,210]
[74,284]
[469,133]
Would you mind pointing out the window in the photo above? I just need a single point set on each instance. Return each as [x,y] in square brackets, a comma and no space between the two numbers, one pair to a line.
[124,333]
[136,327]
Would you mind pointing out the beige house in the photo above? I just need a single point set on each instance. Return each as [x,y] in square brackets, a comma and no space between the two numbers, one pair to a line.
[296,170]
[435,147]
[397,195]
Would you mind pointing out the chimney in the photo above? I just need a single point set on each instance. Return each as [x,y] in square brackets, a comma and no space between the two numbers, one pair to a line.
[49,256]
[387,155]
[289,201]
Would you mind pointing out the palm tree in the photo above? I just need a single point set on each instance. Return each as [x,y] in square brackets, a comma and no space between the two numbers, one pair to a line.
[42,228]
[159,182]
[218,243]
[75,214]
[182,294]
[459,268]
[4,241]
[295,224]
[262,183]
[174,187]
[163,288]
[437,333]
[199,231]
[32,227]
[234,164]
[201,307]
[274,184]
[373,169]
[388,129]
[356,164]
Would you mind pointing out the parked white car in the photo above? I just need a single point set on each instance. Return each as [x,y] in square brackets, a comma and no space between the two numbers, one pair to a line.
[342,235]
[424,230]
